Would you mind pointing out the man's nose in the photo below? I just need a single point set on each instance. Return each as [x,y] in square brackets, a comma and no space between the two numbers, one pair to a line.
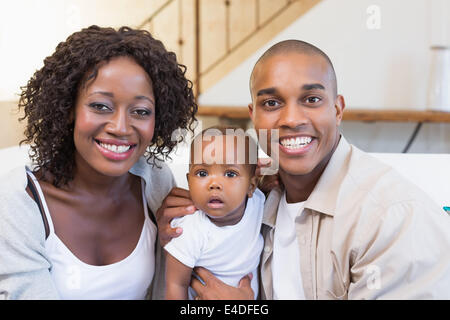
[293,115]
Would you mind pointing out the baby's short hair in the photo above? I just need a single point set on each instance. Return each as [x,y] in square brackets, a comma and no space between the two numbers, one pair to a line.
[250,145]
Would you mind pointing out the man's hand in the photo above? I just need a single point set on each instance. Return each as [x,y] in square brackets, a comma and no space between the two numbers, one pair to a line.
[214,289]
[178,203]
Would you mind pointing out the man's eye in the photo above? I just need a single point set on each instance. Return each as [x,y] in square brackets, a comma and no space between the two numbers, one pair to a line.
[313,99]
[201,173]
[230,174]
[271,103]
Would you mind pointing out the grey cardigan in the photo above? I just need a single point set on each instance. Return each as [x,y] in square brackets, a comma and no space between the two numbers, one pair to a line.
[24,264]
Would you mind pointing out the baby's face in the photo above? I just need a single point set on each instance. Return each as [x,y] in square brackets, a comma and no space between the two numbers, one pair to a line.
[220,189]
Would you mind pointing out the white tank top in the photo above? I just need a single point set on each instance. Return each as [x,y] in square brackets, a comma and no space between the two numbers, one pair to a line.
[125,279]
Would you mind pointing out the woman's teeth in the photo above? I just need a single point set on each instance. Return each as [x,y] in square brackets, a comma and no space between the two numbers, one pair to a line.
[115,148]
[295,143]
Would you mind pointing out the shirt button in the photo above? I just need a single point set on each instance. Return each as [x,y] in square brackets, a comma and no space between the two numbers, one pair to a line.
[267,249]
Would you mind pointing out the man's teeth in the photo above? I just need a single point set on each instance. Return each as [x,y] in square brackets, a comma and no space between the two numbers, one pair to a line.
[115,148]
[295,143]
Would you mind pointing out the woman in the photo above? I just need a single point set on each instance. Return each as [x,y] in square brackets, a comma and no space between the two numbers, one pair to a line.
[100,112]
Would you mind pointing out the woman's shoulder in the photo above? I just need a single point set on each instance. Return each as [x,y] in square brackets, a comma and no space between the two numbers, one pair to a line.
[19,213]
[158,179]
[157,173]
[13,183]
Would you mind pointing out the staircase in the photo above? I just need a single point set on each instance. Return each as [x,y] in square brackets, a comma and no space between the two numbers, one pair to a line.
[212,37]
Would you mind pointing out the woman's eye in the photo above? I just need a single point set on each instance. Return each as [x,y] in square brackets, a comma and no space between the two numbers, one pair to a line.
[201,173]
[230,174]
[142,112]
[99,106]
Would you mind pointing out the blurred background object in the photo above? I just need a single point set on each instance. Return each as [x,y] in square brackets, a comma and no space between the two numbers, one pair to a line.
[380,50]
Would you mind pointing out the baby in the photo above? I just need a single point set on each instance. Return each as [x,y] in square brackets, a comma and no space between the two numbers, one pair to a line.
[223,236]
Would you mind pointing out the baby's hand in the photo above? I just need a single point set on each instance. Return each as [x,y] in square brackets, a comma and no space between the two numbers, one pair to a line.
[178,203]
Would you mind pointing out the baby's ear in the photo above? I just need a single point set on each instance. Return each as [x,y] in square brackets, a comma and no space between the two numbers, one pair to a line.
[252,186]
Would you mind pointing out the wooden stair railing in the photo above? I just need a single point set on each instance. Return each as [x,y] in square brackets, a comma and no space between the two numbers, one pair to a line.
[212,37]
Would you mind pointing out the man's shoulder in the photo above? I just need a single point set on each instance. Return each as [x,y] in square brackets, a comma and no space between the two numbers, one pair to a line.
[378,182]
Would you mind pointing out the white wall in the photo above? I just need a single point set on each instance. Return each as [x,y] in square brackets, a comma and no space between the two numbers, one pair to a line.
[383,68]
[31,29]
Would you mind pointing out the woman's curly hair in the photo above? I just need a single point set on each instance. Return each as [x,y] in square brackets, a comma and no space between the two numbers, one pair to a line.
[49,97]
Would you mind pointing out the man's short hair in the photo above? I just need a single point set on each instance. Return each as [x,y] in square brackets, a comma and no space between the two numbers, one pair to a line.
[297,46]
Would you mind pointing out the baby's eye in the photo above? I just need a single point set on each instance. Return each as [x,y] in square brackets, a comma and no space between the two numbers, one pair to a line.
[201,173]
[230,174]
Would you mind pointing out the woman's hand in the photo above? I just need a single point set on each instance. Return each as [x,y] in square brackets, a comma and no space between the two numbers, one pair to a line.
[214,289]
[266,182]
[178,203]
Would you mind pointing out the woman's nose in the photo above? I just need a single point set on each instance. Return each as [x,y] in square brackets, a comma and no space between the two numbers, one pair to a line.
[119,124]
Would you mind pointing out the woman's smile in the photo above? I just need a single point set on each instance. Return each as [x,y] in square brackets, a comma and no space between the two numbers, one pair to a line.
[114,149]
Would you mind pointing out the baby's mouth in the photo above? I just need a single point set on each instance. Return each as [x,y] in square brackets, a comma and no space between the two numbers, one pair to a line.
[215,203]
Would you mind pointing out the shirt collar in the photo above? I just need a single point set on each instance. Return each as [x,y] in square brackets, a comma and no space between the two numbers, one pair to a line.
[325,194]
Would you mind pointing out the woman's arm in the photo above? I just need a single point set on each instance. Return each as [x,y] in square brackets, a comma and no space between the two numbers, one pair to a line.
[178,277]
[24,264]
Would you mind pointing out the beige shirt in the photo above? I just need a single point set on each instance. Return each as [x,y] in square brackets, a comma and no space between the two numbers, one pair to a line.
[368,234]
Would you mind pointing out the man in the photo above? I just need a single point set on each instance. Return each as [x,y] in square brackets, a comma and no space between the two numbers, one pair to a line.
[342,225]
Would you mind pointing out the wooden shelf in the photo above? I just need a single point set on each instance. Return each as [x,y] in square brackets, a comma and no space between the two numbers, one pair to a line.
[396,115]
[366,115]
[224,112]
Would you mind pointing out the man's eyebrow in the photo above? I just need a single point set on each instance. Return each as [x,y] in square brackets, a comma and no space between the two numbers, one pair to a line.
[266,91]
[313,86]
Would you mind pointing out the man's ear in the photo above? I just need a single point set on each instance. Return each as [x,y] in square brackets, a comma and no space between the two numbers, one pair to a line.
[251,110]
[340,106]
[252,186]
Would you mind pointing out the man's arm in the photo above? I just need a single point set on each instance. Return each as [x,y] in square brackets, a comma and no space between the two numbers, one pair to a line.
[178,277]
[403,254]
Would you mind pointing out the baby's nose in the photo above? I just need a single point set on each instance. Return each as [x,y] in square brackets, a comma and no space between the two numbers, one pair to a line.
[214,185]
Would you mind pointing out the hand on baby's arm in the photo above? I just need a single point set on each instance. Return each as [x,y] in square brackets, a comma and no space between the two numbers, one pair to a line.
[214,289]
[178,203]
